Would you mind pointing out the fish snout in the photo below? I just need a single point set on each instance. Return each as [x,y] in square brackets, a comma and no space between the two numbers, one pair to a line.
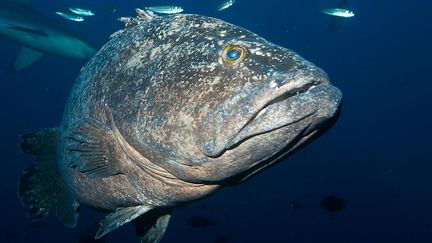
[284,99]
[298,97]
[328,101]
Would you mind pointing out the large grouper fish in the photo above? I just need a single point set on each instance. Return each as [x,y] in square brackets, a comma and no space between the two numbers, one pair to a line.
[171,109]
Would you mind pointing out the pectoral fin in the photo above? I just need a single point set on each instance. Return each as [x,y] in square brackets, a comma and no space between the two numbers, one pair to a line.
[94,149]
[151,226]
[156,232]
[25,58]
[120,217]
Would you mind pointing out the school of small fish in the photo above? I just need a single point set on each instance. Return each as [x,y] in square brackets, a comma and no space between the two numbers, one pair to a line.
[78,14]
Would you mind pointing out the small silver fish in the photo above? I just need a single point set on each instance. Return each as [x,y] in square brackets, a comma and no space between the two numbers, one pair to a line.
[165,9]
[225,4]
[82,12]
[72,17]
[339,12]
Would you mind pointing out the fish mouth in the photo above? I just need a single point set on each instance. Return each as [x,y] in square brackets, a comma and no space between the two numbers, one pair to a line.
[284,125]
[277,113]
[283,100]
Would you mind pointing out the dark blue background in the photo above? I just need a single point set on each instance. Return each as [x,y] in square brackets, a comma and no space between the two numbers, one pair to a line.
[377,156]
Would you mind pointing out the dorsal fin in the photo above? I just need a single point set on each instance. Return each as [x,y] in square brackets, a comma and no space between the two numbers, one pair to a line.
[142,16]
[129,21]
[145,15]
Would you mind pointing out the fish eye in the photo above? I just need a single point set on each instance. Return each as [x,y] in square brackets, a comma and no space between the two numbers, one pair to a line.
[233,54]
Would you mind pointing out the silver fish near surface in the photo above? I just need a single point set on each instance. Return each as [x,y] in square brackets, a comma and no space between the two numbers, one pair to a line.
[82,12]
[171,109]
[225,4]
[69,16]
[165,9]
[338,12]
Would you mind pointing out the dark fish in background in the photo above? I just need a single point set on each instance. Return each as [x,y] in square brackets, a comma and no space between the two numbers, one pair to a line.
[222,239]
[333,203]
[336,23]
[200,222]
[12,235]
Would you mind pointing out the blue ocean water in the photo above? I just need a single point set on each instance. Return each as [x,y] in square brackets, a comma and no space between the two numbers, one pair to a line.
[377,156]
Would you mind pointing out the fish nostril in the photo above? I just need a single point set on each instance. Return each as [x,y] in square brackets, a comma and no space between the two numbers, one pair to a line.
[316,82]
[318,79]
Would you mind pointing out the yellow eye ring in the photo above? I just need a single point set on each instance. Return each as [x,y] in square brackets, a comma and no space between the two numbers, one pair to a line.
[233,54]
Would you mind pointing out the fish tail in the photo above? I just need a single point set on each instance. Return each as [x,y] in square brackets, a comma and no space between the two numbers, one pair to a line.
[41,188]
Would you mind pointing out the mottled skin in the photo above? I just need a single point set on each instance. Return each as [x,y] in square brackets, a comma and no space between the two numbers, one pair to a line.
[183,119]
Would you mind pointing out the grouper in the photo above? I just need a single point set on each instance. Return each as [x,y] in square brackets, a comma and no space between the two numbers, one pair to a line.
[170,110]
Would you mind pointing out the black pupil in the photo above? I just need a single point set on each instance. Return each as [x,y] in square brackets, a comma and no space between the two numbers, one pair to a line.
[233,54]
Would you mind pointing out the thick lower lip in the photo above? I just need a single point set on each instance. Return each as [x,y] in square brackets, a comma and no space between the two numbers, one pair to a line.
[282,111]
[228,125]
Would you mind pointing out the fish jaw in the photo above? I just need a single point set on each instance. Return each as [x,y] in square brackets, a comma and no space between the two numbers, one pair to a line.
[287,139]
[287,114]
[231,122]
[310,100]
